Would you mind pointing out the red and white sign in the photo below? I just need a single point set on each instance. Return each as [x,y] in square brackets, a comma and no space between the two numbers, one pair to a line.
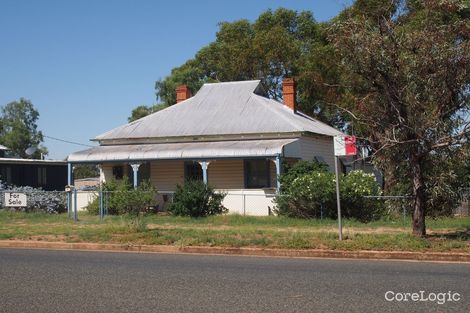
[345,145]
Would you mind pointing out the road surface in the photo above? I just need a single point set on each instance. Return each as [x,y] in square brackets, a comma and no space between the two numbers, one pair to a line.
[77,281]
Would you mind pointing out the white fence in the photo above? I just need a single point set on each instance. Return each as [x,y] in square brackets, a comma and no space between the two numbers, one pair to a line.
[257,202]
[249,202]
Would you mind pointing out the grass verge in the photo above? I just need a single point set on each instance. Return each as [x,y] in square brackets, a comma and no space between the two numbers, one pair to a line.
[445,234]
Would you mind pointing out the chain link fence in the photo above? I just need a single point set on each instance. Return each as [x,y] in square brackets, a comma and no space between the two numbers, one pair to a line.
[244,203]
[464,207]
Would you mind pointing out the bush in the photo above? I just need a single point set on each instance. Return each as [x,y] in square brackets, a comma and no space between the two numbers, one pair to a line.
[313,195]
[308,196]
[122,198]
[353,188]
[51,202]
[300,168]
[196,199]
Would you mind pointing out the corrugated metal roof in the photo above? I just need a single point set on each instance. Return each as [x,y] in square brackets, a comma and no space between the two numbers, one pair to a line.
[31,161]
[187,150]
[233,108]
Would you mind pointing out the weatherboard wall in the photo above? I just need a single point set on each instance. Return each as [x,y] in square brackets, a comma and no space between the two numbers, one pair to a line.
[318,146]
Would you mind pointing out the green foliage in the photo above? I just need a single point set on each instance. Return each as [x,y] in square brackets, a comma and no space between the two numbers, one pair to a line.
[196,199]
[18,128]
[404,76]
[188,74]
[300,168]
[309,195]
[353,187]
[281,43]
[85,171]
[313,195]
[122,198]
[143,110]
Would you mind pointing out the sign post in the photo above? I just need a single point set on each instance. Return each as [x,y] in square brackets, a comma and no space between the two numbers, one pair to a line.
[344,146]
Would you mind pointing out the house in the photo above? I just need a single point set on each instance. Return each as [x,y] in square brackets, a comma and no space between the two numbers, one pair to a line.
[230,135]
[45,174]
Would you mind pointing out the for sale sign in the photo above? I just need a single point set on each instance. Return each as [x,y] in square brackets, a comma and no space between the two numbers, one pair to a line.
[345,145]
[15,199]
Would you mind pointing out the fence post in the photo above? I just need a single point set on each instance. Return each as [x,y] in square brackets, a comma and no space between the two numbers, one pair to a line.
[106,202]
[75,216]
[244,204]
[101,204]
[404,212]
[338,200]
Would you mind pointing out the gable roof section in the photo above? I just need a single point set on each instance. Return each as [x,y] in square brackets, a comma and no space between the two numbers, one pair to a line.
[232,108]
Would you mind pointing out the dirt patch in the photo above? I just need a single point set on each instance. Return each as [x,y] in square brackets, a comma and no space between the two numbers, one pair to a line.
[352,230]
[50,238]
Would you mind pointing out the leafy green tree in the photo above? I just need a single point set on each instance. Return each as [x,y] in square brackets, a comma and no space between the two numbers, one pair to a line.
[188,74]
[404,69]
[279,44]
[19,130]
[85,171]
[143,110]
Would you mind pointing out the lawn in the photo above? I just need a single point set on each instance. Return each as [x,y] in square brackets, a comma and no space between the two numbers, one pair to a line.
[445,234]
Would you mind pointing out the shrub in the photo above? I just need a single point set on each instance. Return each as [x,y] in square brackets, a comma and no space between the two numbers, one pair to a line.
[196,199]
[122,198]
[308,196]
[300,168]
[353,188]
[314,194]
[38,200]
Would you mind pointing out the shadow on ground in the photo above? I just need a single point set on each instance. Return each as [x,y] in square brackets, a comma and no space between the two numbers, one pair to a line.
[455,235]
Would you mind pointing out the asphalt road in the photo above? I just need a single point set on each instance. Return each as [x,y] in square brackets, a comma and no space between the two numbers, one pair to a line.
[75,281]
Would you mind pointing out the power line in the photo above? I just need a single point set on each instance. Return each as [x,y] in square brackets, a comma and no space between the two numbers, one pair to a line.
[67,141]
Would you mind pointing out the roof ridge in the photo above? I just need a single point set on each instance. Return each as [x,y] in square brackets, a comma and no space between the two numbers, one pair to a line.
[298,113]
[316,120]
[234,82]
[272,109]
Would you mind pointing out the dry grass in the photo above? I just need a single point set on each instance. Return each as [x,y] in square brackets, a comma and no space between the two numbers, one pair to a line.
[447,234]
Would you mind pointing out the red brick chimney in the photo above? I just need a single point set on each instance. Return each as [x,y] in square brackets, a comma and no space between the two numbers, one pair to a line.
[182,93]
[288,93]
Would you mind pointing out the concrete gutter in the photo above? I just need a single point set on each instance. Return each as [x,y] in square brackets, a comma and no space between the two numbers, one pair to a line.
[308,253]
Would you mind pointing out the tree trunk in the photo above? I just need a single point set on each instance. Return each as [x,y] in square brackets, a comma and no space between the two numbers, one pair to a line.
[419,226]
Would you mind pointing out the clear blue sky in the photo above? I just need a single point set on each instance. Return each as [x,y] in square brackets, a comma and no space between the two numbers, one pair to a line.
[86,64]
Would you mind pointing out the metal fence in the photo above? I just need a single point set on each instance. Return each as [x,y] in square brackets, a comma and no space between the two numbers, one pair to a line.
[236,202]
[464,207]
[75,201]
[394,205]
[243,203]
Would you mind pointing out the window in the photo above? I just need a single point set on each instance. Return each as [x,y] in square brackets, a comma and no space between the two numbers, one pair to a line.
[118,172]
[192,171]
[42,176]
[257,174]
[5,174]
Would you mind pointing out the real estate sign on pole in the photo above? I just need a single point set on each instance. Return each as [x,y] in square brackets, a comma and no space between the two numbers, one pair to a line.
[343,146]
